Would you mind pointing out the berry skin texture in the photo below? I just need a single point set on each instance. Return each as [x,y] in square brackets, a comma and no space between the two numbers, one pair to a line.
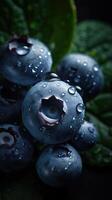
[52,109]
[59,165]
[24,60]
[16,149]
[86,137]
[83,72]
[11,98]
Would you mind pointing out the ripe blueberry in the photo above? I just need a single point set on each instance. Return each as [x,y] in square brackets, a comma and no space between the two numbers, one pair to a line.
[11,98]
[86,137]
[52,111]
[24,60]
[82,71]
[16,149]
[59,165]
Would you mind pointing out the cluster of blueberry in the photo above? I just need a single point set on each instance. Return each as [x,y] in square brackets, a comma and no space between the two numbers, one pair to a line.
[52,110]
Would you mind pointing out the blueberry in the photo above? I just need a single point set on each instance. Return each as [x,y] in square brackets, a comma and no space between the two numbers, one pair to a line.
[16,149]
[24,60]
[83,72]
[59,165]
[11,98]
[52,109]
[86,137]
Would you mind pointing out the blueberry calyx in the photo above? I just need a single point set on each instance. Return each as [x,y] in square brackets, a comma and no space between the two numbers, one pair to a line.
[20,45]
[6,138]
[52,111]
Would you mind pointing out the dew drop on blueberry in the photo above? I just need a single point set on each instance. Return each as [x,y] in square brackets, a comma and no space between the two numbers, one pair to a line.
[71,90]
[85,63]
[44,85]
[22,51]
[95,68]
[80,108]
[73,118]
[63,94]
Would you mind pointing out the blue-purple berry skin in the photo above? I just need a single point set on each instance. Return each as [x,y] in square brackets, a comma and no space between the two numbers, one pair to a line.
[52,111]
[82,71]
[86,137]
[16,148]
[59,165]
[25,61]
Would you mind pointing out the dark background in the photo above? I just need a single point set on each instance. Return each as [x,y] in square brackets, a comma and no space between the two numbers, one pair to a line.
[94,9]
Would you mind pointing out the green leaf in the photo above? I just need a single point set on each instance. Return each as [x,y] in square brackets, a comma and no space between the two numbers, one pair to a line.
[95,39]
[99,156]
[53,22]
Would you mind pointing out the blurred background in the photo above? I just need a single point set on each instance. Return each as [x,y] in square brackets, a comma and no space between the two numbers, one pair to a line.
[94,9]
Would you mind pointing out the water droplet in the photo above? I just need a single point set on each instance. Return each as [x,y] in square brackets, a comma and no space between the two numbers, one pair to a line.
[69,153]
[78,88]
[30,65]
[94,83]
[71,126]
[40,62]
[50,91]
[95,68]
[58,84]
[85,64]
[73,118]
[42,50]
[22,50]
[66,100]
[69,163]
[41,70]
[63,94]
[71,90]
[44,85]
[91,129]
[45,56]
[49,53]
[33,71]
[66,167]
[40,57]
[92,76]
[68,81]
[80,108]
[36,67]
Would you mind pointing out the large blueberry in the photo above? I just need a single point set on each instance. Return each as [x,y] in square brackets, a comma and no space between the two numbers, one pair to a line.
[82,71]
[59,165]
[52,111]
[16,148]
[86,137]
[24,60]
